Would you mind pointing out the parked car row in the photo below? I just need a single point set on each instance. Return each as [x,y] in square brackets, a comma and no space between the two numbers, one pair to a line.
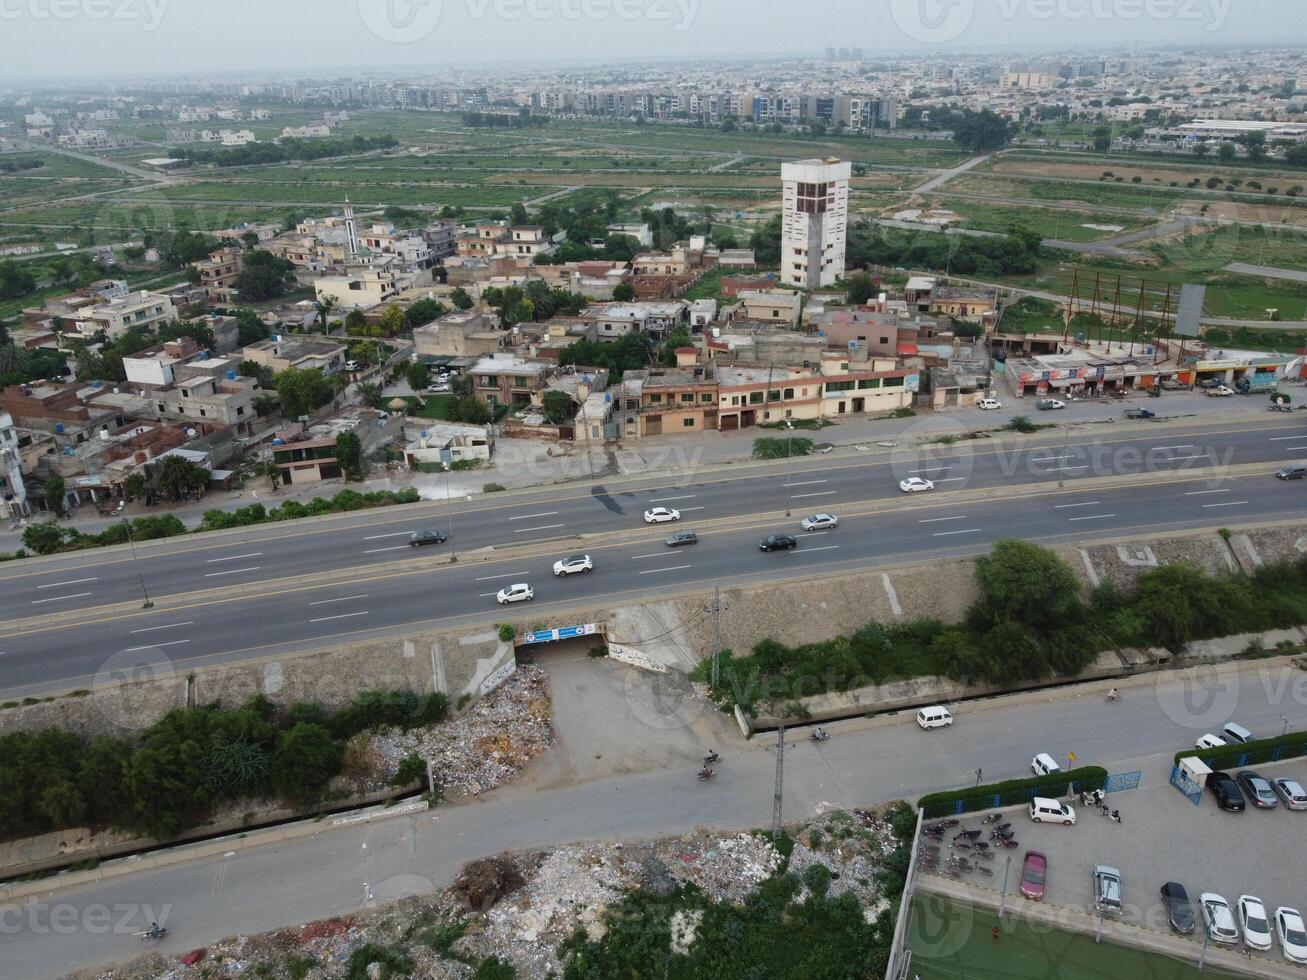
[1233,793]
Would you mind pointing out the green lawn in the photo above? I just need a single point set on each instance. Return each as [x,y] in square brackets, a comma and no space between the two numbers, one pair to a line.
[951,942]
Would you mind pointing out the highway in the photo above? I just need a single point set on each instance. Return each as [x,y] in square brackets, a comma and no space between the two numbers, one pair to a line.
[866,762]
[879,526]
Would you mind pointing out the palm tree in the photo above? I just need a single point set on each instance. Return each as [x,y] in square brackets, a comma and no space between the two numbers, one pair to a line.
[371,394]
[324,308]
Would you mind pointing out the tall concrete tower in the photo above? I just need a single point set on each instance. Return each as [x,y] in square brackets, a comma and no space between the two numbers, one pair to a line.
[814,224]
[351,230]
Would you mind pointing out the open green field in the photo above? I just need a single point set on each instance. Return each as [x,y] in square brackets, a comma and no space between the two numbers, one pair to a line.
[55,165]
[362,193]
[952,942]
[1066,225]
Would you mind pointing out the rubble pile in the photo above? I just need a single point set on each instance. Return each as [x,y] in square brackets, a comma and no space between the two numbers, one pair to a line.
[489,745]
[852,845]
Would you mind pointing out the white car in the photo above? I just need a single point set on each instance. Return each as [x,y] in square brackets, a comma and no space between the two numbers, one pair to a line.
[437,388]
[1043,764]
[516,593]
[820,522]
[1220,392]
[1292,933]
[573,565]
[1219,919]
[1256,926]
[989,404]
[661,515]
[1209,741]
[915,484]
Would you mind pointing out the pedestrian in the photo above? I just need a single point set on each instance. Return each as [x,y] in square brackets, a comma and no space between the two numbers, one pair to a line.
[1116,815]
[995,935]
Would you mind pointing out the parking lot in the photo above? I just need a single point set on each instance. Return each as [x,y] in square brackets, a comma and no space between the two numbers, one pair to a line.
[1164,837]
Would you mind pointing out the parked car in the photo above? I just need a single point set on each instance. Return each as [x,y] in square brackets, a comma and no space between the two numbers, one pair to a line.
[1292,473]
[573,565]
[1139,413]
[1049,404]
[989,404]
[1257,789]
[1209,741]
[915,484]
[778,542]
[438,388]
[820,522]
[1226,791]
[1219,919]
[1291,792]
[420,538]
[1256,925]
[515,593]
[1179,913]
[1220,391]
[1236,734]
[681,538]
[1293,934]
[1034,873]
[1054,811]
[1043,764]
[1107,890]
[661,515]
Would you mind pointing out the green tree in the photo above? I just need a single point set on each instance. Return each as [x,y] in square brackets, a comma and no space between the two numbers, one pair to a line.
[263,276]
[982,131]
[418,376]
[424,311]
[177,478]
[1226,152]
[393,321]
[324,308]
[136,487]
[680,337]
[305,761]
[461,298]
[623,292]
[558,406]
[301,390]
[349,454]
[54,494]
[43,539]
[265,405]
[1028,584]
[355,322]
[371,394]
[15,280]
[861,288]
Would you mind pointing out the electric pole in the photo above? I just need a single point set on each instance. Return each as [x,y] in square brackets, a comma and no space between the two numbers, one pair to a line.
[780,785]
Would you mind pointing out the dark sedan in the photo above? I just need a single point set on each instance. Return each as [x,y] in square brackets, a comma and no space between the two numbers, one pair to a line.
[1179,913]
[778,542]
[1257,789]
[419,538]
[682,538]
[1226,791]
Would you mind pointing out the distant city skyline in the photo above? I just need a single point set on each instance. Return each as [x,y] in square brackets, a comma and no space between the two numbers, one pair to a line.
[155,38]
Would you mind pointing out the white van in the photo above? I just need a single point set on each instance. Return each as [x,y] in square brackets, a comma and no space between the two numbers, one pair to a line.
[1054,811]
[1236,734]
[936,716]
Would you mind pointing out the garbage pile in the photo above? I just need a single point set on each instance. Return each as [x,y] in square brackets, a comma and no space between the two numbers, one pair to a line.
[489,745]
[853,845]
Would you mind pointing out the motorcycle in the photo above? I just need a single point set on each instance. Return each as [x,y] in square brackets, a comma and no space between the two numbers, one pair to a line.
[968,834]
[994,818]
[1009,842]
[706,774]
[819,736]
[711,758]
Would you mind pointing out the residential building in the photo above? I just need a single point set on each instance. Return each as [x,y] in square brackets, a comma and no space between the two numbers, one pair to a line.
[116,316]
[278,354]
[363,291]
[814,222]
[460,334]
[13,492]
[308,454]
[219,273]
[773,305]
[615,320]
[506,379]
[640,232]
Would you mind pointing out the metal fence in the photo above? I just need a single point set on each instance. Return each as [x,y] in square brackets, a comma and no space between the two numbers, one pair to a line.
[1181,781]
[1121,782]
[900,957]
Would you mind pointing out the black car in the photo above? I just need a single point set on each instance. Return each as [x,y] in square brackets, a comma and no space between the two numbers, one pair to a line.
[1257,788]
[1226,791]
[1139,413]
[418,538]
[1292,473]
[1179,913]
[682,538]
[778,542]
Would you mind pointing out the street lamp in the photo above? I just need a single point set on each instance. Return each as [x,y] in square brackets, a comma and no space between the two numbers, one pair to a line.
[140,575]
[1285,730]
[449,502]
[789,465]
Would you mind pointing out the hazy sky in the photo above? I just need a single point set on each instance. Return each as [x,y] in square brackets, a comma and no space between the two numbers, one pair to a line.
[44,39]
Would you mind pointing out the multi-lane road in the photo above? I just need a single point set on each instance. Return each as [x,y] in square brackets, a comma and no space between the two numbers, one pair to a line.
[268,589]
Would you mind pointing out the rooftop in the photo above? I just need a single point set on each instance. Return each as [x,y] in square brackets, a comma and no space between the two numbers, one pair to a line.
[509,364]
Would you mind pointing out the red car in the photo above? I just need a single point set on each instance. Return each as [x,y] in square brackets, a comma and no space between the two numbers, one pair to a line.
[1033,872]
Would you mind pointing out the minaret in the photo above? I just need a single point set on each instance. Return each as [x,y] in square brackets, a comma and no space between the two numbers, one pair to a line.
[351,230]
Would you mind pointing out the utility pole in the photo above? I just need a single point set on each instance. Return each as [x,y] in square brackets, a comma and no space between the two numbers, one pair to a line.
[717,635]
[778,798]
[789,466]
[140,575]
[449,506]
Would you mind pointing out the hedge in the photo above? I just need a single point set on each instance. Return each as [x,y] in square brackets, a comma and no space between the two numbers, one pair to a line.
[1291,745]
[1012,792]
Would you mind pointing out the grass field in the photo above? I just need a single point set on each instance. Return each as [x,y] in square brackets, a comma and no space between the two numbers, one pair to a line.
[951,942]
[1066,225]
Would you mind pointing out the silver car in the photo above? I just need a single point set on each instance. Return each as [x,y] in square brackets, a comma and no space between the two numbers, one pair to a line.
[820,522]
[1291,792]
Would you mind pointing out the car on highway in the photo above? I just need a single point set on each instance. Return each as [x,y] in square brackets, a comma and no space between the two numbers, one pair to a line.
[1107,890]
[1139,413]
[1226,791]
[1220,391]
[1253,919]
[820,522]
[1257,789]
[1049,404]
[1209,741]
[1291,792]
[778,542]
[915,484]
[661,515]
[1293,934]
[573,565]
[1292,473]
[1043,764]
[682,538]
[1179,913]
[1034,875]
[515,593]
[1221,927]
[419,539]
[989,404]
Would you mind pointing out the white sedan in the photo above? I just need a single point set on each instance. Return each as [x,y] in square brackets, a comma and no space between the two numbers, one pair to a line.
[916,484]
[1209,741]
[515,593]
[661,515]
[1293,934]
[1256,926]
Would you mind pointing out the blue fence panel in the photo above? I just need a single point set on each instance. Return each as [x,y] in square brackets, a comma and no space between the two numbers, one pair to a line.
[1120,782]
[1181,781]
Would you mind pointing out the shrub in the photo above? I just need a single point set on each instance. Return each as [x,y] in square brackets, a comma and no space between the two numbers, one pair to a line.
[1012,792]
[507,632]
[493,488]
[412,768]
[1291,745]
[776,448]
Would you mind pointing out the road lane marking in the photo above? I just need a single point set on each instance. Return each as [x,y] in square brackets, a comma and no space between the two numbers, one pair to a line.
[807,483]
[952,479]
[76,581]
[546,527]
[686,510]
[1294,449]
[930,469]
[61,598]
[822,493]
[1284,439]
[256,554]
[1182,459]
[829,547]
[328,619]
[941,520]
[170,626]
[1096,517]
[1163,449]
[397,534]
[155,646]
[949,534]
[234,571]
[491,578]
[1092,503]
[1200,493]
[327,602]
[531,517]
[1070,469]
[379,551]
[674,568]
[664,500]
[1231,503]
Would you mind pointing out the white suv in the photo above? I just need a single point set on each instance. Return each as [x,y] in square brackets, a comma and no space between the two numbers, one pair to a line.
[573,565]
[515,593]
[1220,920]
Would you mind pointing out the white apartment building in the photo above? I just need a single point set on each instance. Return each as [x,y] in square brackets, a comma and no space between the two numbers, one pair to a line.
[814,223]
[364,291]
[13,494]
[115,316]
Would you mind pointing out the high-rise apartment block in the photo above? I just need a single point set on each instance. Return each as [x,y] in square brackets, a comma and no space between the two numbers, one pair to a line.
[814,224]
